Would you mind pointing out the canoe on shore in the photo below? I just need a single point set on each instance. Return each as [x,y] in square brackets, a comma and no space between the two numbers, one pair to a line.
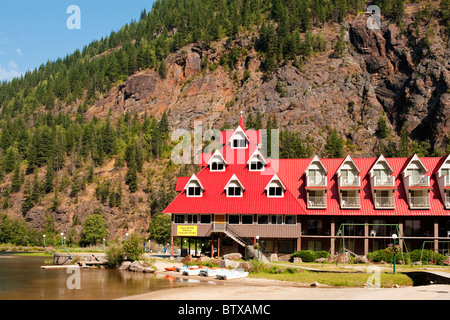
[231,274]
[211,272]
[192,272]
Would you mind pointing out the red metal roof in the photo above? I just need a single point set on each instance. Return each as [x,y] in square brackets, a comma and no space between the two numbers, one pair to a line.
[291,172]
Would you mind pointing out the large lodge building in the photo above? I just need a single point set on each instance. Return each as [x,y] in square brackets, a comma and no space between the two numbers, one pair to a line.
[300,204]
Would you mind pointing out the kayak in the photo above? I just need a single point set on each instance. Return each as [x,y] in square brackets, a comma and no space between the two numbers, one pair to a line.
[171,269]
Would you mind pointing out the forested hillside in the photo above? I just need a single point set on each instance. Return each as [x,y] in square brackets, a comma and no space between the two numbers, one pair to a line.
[89,134]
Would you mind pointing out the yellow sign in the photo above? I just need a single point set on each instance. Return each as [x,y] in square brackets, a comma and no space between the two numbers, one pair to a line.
[187,231]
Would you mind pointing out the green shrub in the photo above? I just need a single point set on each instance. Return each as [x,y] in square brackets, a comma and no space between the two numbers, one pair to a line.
[427,256]
[309,255]
[133,247]
[115,255]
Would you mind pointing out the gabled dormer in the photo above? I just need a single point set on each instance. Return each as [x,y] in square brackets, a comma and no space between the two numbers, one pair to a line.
[381,174]
[275,188]
[234,187]
[316,174]
[443,180]
[217,163]
[349,184]
[194,187]
[415,173]
[417,184]
[382,184]
[256,162]
[316,184]
[348,174]
[239,139]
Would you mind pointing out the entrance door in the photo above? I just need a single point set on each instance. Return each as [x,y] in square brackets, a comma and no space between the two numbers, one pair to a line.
[219,222]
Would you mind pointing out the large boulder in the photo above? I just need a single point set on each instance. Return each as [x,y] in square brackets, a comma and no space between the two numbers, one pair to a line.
[125,265]
[136,266]
[226,263]
[233,256]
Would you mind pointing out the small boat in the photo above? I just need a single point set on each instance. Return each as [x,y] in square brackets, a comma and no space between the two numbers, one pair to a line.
[192,272]
[181,269]
[171,269]
[232,274]
[195,267]
[211,272]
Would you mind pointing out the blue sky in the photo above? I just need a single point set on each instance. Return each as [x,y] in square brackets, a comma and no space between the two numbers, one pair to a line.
[32,32]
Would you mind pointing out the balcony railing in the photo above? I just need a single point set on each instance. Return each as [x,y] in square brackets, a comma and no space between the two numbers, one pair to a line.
[419,202]
[384,182]
[317,202]
[447,200]
[384,202]
[350,202]
[446,181]
[346,182]
[312,182]
[418,181]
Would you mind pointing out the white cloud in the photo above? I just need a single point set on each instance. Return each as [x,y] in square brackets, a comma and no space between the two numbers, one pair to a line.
[10,72]
[19,52]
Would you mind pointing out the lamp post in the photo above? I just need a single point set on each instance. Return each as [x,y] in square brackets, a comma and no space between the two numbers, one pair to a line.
[257,242]
[104,246]
[126,236]
[394,237]
[46,246]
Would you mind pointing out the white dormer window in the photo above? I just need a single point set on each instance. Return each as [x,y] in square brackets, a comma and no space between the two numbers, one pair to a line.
[217,166]
[239,139]
[275,188]
[256,161]
[234,191]
[194,188]
[275,191]
[234,187]
[217,162]
[239,143]
[256,165]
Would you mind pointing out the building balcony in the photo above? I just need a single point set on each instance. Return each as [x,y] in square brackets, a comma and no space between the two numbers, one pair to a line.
[417,181]
[311,182]
[345,182]
[350,203]
[447,200]
[387,182]
[384,203]
[419,202]
[317,202]
[446,181]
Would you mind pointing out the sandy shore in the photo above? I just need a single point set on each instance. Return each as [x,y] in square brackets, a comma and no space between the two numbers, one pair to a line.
[264,289]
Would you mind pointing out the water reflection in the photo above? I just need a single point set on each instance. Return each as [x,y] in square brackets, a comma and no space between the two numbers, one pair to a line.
[21,278]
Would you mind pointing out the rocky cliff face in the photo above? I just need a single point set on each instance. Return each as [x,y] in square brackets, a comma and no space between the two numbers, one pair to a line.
[382,72]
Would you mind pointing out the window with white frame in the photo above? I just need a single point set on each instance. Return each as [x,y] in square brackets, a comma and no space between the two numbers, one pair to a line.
[239,143]
[234,189]
[275,189]
[256,165]
[194,190]
[217,166]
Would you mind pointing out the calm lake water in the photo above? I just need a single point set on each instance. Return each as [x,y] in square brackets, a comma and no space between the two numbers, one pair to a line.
[21,278]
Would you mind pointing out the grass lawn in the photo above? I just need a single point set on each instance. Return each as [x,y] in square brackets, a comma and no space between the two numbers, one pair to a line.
[337,279]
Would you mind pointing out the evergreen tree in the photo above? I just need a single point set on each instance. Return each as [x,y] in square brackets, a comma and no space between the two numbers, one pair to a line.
[49,177]
[334,147]
[16,182]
